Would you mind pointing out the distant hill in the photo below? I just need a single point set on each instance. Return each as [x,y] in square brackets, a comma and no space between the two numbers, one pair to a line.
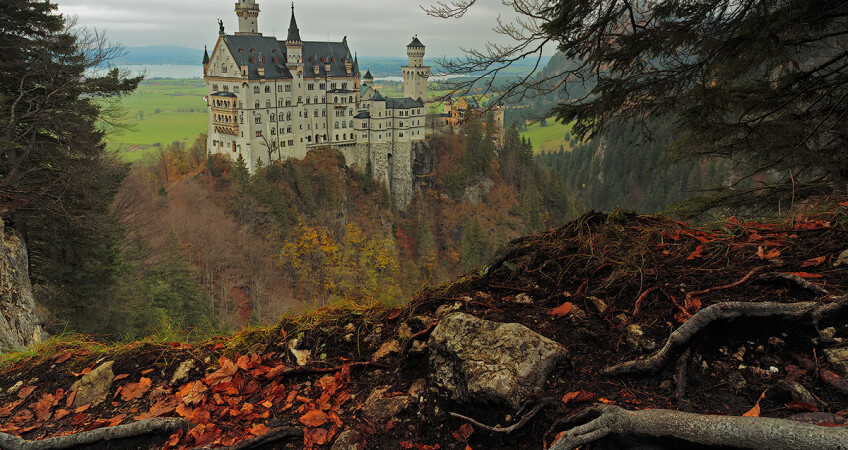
[160,54]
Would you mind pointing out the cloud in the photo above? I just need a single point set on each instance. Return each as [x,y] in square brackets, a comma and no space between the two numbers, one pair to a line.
[373,27]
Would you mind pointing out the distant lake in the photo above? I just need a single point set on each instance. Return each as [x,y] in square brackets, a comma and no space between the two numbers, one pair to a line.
[196,71]
[166,70]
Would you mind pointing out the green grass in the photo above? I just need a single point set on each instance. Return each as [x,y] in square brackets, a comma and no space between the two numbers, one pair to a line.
[162,128]
[160,111]
[550,138]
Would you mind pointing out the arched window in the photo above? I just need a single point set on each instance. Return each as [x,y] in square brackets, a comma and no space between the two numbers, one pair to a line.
[267,89]
[344,124]
[335,99]
[288,102]
[224,68]
[273,131]
[288,116]
[273,117]
[280,103]
[351,124]
[288,129]
[307,100]
[299,99]
[255,89]
[267,103]
[350,99]
[315,100]
[336,127]
[256,105]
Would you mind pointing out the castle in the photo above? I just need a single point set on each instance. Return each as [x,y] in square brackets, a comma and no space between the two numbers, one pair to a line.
[271,100]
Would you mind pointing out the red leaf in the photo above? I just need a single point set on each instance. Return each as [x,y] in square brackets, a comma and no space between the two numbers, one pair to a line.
[63,357]
[224,374]
[314,418]
[578,396]
[814,262]
[136,390]
[463,433]
[561,310]
[121,376]
[801,406]
[699,251]
[258,429]
[60,413]
[25,391]
[146,371]
[771,254]
[243,362]
[394,313]
[755,411]
[805,274]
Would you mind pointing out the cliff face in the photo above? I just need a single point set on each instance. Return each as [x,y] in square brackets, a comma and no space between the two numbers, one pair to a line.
[18,325]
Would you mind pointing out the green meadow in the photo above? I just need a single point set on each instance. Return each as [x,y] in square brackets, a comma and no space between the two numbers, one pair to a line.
[548,138]
[160,111]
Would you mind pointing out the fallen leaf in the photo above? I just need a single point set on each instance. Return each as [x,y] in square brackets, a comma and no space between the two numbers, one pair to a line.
[606,401]
[224,374]
[463,433]
[43,405]
[63,357]
[136,390]
[60,414]
[814,262]
[805,275]
[82,408]
[317,436]
[259,429]
[314,418]
[561,310]
[771,254]
[699,252]
[801,406]
[25,391]
[146,371]
[196,394]
[394,313]
[71,398]
[242,363]
[121,376]
[755,411]
[578,396]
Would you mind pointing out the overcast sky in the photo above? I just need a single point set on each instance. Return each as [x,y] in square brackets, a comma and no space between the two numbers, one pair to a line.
[373,27]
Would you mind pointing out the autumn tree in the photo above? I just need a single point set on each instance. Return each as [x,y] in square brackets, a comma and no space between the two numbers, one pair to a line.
[760,83]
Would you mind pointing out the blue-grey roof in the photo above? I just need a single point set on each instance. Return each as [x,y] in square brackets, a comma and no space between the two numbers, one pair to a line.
[205,55]
[402,103]
[340,91]
[332,52]
[363,115]
[294,33]
[368,76]
[223,94]
[378,97]
[415,43]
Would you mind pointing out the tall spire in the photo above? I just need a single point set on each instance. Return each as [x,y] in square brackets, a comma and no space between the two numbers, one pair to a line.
[205,55]
[294,33]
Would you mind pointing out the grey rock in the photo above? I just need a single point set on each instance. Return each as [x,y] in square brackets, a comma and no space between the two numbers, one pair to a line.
[17,387]
[94,386]
[301,357]
[181,374]
[448,308]
[19,323]
[386,349]
[378,407]
[598,305]
[490,362]
[842,260]
[839,358]
[523,299]
[346,441]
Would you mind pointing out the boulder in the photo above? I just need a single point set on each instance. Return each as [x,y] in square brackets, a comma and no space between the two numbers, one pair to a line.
[19,325]
[477,360]
[378,407]
[94,386]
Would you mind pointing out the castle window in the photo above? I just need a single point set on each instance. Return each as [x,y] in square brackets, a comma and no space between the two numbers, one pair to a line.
[350,112]
[344,137]
[323,99]
[315,113]
[299,100]
[288,102]
[307,100]
[224,68]
[273,131]
[280,88]
[280,103]
[240,105]
[215,87]
[226,88]
[267,89]
[322,86]
[315,99]
[324,113]
[350,99]
[255,89]
[256,104]
[344,85]
[310,87]
[335,99]
[267,103]
[257,119]
[258,133]
[288,116]
[337,137]
[336,127]
[351,124]
[401,134]
[332,86]
[235,88]
[288,88]
[288,130]
[273,117]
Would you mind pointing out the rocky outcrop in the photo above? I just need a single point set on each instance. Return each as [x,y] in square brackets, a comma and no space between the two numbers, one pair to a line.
[477,360]
[94,386]
[19,327]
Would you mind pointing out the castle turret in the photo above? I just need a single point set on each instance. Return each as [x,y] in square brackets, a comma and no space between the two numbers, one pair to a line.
[205,59]
[248,14]
[368,79]
[294,45]
[415,75]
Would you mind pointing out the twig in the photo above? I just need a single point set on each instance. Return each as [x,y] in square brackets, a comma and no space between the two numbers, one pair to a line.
[729,310]
[421,334]
[642,298]
[101,435]
[727,286]
[545,402]
[305,370]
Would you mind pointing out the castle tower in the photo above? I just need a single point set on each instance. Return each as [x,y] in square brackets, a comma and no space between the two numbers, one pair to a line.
[368,79]
[415,75]
[294,45]
[248,14]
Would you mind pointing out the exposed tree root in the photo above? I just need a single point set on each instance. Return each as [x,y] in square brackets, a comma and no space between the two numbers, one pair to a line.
[680,374]
[133,430]
[273,436]
[545,402]
[774,276]
[732,431]
[813,311]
